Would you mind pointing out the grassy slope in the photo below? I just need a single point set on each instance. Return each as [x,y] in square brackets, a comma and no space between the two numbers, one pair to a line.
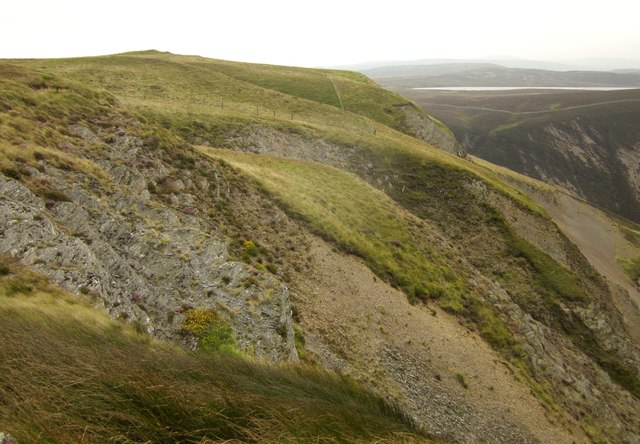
[362,220]
[205,88]
[180,92]
[356,216]
[183,93]
[72,374]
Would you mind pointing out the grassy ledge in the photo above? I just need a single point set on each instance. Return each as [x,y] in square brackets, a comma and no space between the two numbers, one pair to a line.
[359,218]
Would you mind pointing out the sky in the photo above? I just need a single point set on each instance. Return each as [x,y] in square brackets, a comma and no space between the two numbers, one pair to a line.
[323,33]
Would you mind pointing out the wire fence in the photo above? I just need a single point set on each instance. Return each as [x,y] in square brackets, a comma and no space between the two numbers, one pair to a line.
[195,104]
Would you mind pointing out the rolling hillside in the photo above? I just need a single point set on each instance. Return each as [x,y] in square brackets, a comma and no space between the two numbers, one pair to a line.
[258,216]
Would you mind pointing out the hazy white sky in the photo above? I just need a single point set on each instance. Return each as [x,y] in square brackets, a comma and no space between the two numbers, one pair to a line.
[321,33]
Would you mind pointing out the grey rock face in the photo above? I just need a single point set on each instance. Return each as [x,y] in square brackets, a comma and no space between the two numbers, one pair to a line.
[263,140]
[582,386]
[426,128]
[145,261]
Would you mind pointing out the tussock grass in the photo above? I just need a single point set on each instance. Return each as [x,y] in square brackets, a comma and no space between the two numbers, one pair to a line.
[35,125]
[70,374]
[15,159]
[37,107]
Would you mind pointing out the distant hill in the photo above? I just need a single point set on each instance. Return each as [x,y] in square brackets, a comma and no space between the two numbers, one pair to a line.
[412,71]
[587,64]
[626,71]
[473,74]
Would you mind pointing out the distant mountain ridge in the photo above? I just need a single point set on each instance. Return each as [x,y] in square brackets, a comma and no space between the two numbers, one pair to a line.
[487,74]
[585,64]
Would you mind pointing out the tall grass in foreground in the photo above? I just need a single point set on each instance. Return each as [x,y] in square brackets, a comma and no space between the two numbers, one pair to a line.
[70,374]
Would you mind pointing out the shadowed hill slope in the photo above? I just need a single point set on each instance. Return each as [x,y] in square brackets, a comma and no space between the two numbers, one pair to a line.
[585,141]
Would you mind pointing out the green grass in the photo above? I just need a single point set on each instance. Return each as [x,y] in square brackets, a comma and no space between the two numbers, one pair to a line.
[213,332]
[503,127]
[70,374]
[364,221]
[357,217]
[377,210]
[168,84]
[461,380]
[552,276]
[632,268]
[310,84]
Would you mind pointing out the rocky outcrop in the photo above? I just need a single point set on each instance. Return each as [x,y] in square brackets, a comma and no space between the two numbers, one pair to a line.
[571,360]
[425,127]
[147,259]
[582,387]
[265,140]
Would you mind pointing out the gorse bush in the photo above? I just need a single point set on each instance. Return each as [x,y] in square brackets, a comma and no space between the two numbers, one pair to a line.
[213,332]
[250,248]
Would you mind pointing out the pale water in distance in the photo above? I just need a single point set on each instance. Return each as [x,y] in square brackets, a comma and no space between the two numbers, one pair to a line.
[509,88]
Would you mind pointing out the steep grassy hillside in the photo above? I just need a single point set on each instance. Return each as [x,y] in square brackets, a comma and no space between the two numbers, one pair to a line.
[203,87]
[357,217]
[69,373]
[185,92]
[113,167]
